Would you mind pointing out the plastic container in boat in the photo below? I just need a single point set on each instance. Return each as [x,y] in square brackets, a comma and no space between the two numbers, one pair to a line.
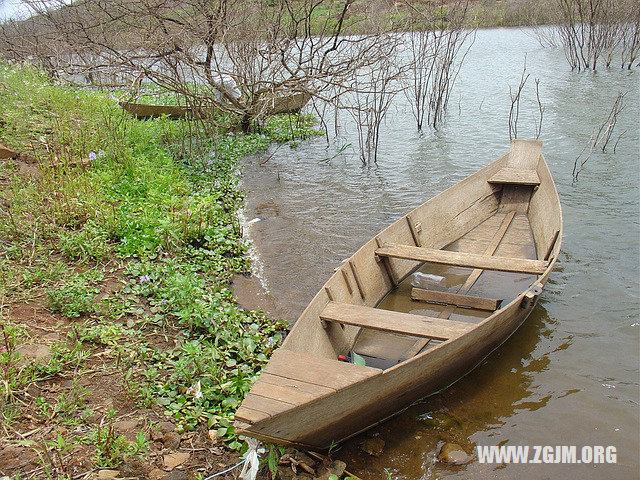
[426,280]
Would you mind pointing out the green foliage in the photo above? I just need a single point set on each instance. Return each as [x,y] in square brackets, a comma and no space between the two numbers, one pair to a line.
[111,448]
[75,296]
[272,461]
[89,243]
[286,127]
[165,219]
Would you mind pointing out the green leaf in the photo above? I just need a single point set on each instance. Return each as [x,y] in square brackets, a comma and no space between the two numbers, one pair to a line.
[273,461]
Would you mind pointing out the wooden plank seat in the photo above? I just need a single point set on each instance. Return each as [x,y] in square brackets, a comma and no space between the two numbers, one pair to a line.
[457,299]
[515,176]
[461,259]
[396,322]
[292,378]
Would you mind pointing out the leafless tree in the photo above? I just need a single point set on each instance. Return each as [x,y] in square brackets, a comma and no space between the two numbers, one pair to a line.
[515,97]
[435,57]
[373,89]
[591,30]
[233,56]
[600,136]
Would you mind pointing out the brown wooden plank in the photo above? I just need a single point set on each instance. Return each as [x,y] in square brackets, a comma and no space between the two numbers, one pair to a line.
[552,244]
[346,281]
[396,322]
[266,405]
[524,154]
[317,370]
[282,393]
[515,197]
[310,388]
[514,176]
[461,259]
[436,296]
[249,415]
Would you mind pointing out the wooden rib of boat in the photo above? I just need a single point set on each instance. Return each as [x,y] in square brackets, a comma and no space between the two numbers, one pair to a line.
[494,237]
[272,106]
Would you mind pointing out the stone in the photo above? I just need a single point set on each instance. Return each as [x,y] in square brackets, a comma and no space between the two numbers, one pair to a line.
[6,153]
[107,474]
[171,440]
[34,352]
[373,446]
[440,421]
[166,427]
[172,460]
[156,474]
[14,457]
[453,454]
[176,475]
[127,428]
[336,468]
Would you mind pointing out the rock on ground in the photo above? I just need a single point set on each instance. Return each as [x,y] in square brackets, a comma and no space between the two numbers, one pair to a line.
[453,454]
[373,446]
[334,468]
[173,460]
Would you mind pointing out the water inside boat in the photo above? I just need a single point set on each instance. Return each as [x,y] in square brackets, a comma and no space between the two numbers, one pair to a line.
[385,349]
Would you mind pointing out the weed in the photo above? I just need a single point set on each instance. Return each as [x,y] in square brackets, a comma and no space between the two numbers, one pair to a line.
[75,296]
[55,458]
[111,448]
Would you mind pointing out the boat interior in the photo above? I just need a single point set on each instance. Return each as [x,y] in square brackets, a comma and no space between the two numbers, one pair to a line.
[409,290]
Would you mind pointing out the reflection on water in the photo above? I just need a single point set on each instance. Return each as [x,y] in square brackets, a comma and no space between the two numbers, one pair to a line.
[569,375]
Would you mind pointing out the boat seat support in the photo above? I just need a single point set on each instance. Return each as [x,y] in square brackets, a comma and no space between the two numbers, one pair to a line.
[457,299]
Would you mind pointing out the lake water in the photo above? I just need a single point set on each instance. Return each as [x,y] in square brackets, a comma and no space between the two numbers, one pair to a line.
[569,376]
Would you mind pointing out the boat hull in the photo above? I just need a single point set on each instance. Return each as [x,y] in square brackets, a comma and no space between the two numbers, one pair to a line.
[335,416]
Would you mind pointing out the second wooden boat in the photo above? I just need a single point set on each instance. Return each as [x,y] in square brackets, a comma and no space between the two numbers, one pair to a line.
[491,241]
[292,103]
[147,110]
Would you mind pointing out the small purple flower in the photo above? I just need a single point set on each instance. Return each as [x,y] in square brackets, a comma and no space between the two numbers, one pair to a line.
[92,156]
[216,183]
[212,153]
[162,302]
[210,161]
[237,172]
[144,279]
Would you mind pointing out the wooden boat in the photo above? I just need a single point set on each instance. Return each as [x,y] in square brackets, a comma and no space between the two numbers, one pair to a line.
[271,106]
[292,103]
[147,110]
[494,237]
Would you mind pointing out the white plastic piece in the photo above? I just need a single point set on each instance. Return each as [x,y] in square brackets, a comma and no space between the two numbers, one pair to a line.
[251,460]
[426,280]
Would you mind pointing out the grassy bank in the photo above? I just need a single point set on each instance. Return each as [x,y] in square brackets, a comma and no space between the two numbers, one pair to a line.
[121,343]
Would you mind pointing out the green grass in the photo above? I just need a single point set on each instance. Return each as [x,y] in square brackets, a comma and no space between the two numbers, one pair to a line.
[159,218]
